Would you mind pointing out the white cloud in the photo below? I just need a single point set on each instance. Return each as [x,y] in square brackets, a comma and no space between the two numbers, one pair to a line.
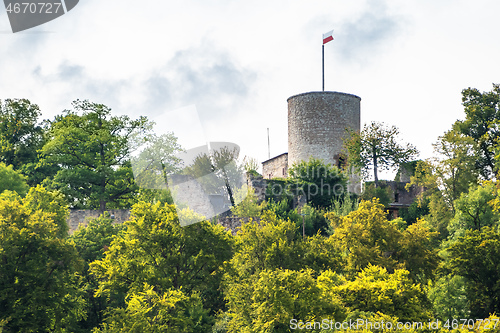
[238,62]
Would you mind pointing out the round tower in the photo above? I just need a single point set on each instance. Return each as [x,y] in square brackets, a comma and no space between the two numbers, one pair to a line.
[317,123]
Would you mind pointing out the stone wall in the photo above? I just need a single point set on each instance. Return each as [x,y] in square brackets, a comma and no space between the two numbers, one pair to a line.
[187,191]
[82,216]
[276,167]
[233,224]
[258,184]
[402,196]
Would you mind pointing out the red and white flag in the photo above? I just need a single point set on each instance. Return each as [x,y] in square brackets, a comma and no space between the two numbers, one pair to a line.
[327,37]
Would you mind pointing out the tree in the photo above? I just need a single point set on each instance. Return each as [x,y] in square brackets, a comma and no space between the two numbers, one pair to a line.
[474,209]
[251,165]
[274,243]
[449,297]
[319,182]
[368,238]
[452,172]
[154,312]
[20,133]
[53,203]
[156,250]
[376,290]
[92,242]
[12,180]
[156,161]
[418,253]
[93,151]
[476,257]
[248,205]
[272,299]
[482,117]
[218,171]
[377,147]
[38,284]
[382,192]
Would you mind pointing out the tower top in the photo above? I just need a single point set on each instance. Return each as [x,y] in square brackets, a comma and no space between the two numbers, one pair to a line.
[323,93]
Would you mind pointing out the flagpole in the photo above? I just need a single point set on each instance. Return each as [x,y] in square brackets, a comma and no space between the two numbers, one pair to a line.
[326,38]
[268,145]
[323,61]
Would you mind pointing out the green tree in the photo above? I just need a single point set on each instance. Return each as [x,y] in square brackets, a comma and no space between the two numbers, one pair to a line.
[273,298]
[12,180]
[20,133]
[473,210]
[476,257]
[218,171]
[377,147]
[38,284]
[417,250]
[274,243]
[449,298]
[418,209]
[156,250]
[248,205]
[53,203]
[259,281]
[368,238]
[251,165]
[382,192]
[156,161]
[93,151]
[312,219]
[376,290]
[92,242]
[319,182]
[482,117]
[153,312]
[449,174]
[345,206]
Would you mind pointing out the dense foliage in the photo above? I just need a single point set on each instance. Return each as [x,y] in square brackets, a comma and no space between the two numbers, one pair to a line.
[290,266]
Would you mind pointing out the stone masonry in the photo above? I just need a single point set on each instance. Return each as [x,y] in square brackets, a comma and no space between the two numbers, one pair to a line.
[82,216]
[276,167]
[317,123]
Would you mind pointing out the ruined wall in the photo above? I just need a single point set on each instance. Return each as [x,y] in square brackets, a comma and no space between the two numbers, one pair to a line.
[258,184]
[233,224]
[188,191]
[402,196]
[317,123]
[82,216]
[276,167]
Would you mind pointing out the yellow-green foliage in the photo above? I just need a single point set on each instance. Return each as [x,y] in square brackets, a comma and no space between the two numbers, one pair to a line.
[367,237]
[153,312]
[155,250]
[375,290]
[281,295]
[12,180]
[38,268]
[247,205]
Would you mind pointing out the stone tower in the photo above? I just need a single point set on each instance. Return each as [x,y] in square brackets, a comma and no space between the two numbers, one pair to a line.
[317,123]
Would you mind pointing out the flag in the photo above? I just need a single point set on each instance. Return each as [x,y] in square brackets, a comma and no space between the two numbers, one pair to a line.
[327,37]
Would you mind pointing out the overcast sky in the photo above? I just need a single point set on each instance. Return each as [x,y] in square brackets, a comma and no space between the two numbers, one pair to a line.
[222,70]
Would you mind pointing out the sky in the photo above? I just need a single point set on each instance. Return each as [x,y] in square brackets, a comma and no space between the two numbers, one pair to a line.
[222,70]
